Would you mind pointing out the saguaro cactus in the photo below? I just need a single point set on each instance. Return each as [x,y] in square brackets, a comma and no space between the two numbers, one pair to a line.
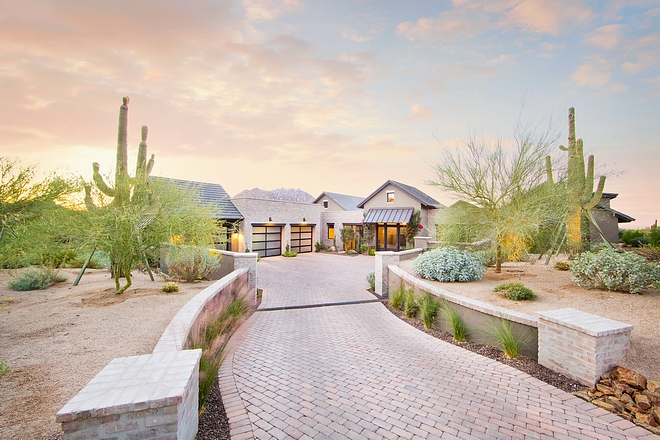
[126,188]
[580,186]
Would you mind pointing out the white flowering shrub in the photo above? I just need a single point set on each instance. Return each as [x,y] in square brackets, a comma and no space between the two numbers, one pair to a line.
[449,264]
[610,270]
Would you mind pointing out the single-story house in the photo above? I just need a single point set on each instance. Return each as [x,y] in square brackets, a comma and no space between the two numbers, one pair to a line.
[339,211]
[390,208]
[608,219]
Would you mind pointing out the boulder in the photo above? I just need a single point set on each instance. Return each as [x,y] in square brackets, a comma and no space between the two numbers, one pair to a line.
[647,419]
[606,390]
[653,385]
[605,405]
[656,414]
[642,401]
[628,377]
[616,403]
[625,398]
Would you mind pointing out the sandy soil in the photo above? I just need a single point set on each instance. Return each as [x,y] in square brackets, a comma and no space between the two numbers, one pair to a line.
[56,340]
[555,290]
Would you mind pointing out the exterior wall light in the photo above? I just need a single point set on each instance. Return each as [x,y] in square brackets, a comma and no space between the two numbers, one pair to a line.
[270,220]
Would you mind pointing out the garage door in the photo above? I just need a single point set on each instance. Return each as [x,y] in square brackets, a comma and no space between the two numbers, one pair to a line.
[301,238]
[267,240]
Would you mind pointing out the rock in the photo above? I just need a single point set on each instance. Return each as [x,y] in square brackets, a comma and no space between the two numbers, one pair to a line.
[583,395]
[605,405]
[628,377]
[622,388]
[632,408]
[606,381]
[653,385]
[606,390]
[656,414]
[654,397]
[642,401]
[626,415]
[645,418]
[625,398]
[616,403]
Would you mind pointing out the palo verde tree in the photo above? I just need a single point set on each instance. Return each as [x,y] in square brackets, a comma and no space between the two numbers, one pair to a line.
[579,186]
[138,214]
[504,200]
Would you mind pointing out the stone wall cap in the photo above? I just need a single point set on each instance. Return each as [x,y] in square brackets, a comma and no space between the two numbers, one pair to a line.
[588,323]
[132,384]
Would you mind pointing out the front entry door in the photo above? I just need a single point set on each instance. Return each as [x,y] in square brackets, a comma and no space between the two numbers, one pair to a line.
[390,237]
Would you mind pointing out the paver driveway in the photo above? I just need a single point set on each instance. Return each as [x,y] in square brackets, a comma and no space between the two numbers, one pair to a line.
[357,371]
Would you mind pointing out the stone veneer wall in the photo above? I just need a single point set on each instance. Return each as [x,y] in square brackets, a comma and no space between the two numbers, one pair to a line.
[580,345]
[154,395]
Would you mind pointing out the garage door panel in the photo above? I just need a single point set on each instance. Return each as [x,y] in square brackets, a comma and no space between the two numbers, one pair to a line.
[301,238]
[267,240]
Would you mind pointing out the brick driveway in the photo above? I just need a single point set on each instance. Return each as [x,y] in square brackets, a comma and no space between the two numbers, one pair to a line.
[357,371]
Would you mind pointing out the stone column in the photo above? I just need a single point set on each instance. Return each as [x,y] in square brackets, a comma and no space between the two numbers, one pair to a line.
[248,261]
[384,259]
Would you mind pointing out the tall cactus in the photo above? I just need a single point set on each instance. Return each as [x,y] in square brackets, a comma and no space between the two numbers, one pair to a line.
[127,190]
[580,186]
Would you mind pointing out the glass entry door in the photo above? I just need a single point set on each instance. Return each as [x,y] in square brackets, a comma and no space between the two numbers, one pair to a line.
[390,237]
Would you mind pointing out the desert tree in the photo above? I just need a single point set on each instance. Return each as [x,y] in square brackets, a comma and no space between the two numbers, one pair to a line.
[503,191]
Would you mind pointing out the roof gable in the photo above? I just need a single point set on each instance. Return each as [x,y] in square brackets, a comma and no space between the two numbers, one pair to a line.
[348,203]
[423,198]
[212,195]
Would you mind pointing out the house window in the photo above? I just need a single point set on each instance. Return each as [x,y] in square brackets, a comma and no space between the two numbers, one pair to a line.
[390,196]
[325,204]
[331,231]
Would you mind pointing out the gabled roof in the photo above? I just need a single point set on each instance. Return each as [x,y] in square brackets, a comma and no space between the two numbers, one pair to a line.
[349,203]
[211,195]
[423,198]
[620,216]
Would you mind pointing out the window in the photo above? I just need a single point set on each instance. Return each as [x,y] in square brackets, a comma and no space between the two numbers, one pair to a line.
[390,197]
[331,231]
[325,204]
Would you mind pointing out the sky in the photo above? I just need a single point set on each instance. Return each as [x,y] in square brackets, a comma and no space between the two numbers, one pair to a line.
[335,96]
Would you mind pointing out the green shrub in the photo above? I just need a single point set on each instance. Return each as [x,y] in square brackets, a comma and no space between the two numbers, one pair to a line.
[36,279]
[563,265]
[371,279]
[319,246]
[190,263]
[4,369]
[363,248]
[449,264]
[506,338]
[428,307]
[170,287]
[455,321]
[372,252]
[515,291]
[610,270]
[410,305]
[288,252]
[397,298]
[633,237]
[351,252]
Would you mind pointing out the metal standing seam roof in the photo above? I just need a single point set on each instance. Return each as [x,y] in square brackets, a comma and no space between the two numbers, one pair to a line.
[348,203]
[423,198]
[389,215]
[212,195]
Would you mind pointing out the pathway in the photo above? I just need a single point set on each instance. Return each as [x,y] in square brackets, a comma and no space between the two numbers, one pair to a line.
[358,372]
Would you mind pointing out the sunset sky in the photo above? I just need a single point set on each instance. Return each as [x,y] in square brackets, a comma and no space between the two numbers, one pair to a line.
[334,95]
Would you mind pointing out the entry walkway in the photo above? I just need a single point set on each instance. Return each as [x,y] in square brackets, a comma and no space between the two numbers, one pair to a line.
[358,372]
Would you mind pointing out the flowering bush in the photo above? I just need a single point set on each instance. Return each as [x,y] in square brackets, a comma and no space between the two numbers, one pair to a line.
[449,264]
[190,263]
[610,270]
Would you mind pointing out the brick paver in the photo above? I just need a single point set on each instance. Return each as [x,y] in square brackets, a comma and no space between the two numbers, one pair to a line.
[358,372]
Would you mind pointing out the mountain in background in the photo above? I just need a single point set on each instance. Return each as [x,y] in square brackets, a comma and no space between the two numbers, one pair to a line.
[283,194]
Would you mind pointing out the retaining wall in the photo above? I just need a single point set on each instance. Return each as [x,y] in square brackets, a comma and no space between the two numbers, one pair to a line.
[153,395]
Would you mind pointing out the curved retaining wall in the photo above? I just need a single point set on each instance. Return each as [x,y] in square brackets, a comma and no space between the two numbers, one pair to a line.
[153,395]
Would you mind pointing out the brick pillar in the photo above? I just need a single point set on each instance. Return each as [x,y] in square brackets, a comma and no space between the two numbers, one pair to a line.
[581,345]
[248,261]
[384,259]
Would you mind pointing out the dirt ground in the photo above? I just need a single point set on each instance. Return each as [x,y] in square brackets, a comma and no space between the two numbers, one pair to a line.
[56,340]
[556,290]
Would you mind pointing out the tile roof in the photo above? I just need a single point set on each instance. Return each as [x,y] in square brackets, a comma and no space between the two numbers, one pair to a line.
[423,198]
[212,195]
[349,203]
[388,215]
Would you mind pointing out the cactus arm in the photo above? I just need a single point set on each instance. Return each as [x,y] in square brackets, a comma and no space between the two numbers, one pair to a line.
[589,181]
[89,202]
[100,184]
[150,165]
[548,169]
[562,148]
[142,154]
[122,139]
[596,196]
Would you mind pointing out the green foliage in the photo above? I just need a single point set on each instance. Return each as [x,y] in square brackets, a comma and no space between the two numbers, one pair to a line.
[428,307]
[36,279]
[364,248]
[455,321]
[371,279]
[413,227]
[610,270]
[372,252]
[449,264]
[507,340]
[397,298]
[190,263]
[347,234]
[289,253]
[4,369]
[563,265]
[351,252]
[633,237]
[410,305]
[211,333]
[515,291]
[319,246]
[170,287]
